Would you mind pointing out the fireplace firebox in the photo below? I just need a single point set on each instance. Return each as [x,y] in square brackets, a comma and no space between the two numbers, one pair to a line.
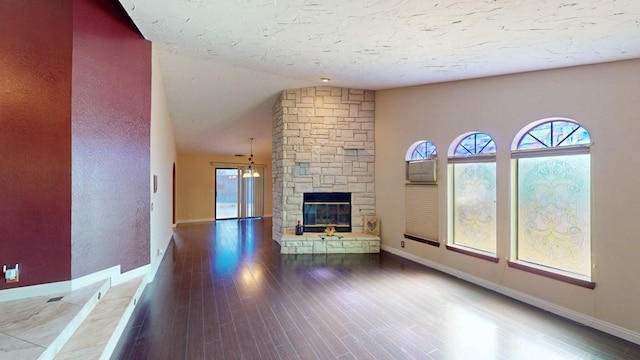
[322,209]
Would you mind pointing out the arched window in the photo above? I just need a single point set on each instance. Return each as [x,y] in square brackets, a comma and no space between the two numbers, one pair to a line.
[473,192]
[475,144]
[552,134]
[421,193]
[421,150]
[553,204]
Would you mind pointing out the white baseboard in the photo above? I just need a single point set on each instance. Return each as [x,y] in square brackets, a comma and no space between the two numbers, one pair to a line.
[35,290]
[586,320]
[59,286]
[130,275]
[112,274]
[194,221]
[616,330]
[93,278]
[155,265]
[206,220]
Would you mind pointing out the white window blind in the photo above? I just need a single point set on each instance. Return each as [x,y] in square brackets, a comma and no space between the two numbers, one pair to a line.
[422,211]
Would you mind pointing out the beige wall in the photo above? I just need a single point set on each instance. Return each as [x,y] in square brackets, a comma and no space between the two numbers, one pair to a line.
[163,156]
[605,99]
[195,191]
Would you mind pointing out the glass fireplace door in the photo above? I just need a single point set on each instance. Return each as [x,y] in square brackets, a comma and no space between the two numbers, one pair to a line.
[321,209]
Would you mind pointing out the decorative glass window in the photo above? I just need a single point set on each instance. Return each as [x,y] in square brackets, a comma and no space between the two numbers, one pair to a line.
[554,133]
[473,195]
[475,144]
[423,150]
[553,196]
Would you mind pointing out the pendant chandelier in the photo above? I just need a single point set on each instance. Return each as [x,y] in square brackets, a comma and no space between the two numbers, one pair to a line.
[250,171]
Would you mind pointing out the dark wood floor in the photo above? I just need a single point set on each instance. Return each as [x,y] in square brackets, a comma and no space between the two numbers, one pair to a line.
[223,291]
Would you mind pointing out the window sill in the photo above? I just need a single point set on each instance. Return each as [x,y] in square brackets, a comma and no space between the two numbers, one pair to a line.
[473,253]
[422,240]
[531,268]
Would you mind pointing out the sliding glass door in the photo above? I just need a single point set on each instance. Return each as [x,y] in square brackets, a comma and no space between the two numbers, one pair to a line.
[239,194]
[227,193]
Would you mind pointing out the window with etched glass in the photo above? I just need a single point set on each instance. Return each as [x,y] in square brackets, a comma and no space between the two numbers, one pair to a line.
[473,195]
[553,196]
[423,150]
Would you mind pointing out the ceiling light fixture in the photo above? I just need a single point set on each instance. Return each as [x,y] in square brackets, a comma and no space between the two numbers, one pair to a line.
[325,79]
[250,171]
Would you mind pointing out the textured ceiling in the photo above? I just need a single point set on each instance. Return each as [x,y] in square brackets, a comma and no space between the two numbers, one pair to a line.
[224,60]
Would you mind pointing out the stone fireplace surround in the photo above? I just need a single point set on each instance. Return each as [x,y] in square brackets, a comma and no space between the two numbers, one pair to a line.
[323,141]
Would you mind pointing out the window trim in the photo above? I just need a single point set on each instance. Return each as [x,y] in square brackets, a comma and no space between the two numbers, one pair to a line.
[484,255]
[547,152]
[472,159]
[552,273]
[422,240]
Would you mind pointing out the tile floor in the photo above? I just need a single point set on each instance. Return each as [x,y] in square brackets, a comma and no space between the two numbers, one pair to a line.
[29,327]
[37,328]
[97,334]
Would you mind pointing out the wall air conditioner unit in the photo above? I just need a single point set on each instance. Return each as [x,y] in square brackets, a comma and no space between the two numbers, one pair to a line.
[423,171]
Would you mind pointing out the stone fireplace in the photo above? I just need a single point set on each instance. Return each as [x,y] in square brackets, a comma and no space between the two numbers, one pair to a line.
[323,142]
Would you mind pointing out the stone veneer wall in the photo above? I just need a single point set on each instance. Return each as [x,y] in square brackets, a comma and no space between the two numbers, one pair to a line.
[323,141]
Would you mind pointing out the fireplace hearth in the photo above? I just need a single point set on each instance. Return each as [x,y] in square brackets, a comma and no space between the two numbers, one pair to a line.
[322,209]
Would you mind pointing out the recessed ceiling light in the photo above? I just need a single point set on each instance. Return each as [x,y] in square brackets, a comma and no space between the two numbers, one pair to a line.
[325,79]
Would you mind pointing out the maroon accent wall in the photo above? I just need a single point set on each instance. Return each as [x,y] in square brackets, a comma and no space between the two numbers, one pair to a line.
[75,95]
[111,116]
[35,139]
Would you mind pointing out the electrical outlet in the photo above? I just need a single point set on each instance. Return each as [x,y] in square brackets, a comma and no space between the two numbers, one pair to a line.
[402,244]
[11,275]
